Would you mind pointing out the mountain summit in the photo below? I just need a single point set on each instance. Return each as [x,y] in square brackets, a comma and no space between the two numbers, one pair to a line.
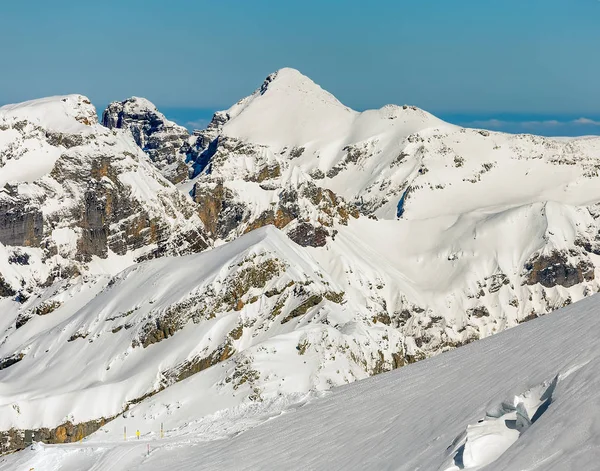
[288,108]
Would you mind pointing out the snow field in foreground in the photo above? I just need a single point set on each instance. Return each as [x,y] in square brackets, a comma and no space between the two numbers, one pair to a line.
[407,419]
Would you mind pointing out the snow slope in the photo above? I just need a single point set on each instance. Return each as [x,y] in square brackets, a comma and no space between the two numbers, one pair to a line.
[88,350]
[68,114]
[35,158]
[413,418]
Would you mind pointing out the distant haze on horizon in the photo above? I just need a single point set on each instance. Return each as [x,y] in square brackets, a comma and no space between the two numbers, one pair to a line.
[543,125]
[507,65]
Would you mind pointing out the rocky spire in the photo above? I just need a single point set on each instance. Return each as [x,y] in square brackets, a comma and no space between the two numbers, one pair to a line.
[165,142]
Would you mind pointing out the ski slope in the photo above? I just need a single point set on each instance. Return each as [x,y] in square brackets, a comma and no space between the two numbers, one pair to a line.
[412,418]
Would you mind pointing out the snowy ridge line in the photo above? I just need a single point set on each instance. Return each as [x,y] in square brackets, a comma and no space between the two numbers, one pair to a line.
[162,321]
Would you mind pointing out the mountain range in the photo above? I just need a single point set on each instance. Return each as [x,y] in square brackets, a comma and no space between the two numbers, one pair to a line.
[293,246]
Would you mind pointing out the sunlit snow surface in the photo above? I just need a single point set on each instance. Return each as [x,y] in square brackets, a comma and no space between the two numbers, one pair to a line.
[35,158]
[408,419]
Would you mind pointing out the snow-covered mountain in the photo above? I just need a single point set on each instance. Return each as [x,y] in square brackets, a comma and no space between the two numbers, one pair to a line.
[525,399]
[396,236]
[78,198]
[261,307]
[462,232]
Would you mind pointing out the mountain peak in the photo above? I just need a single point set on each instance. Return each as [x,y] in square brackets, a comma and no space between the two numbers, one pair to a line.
[150,128]
[133,106]
[139,104]
[287,108]
[68,113]
[287,76]
[289,81]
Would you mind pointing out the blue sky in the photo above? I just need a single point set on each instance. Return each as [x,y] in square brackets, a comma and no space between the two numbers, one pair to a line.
[500,62]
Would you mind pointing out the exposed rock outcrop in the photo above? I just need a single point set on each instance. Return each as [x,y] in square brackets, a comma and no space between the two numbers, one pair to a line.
[165,142]
[305,234]
[5,289]
[226,213]
[21,223]
[68,432]
[556,269]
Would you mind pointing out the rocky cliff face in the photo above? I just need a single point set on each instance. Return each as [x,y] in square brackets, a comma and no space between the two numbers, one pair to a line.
[73,191]
[20,224]
[164,141]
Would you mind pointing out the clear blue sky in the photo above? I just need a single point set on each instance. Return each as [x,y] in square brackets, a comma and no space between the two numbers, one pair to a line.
[469,58]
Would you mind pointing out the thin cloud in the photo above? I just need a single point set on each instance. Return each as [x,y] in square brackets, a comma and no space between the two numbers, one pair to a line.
[551,123]
[587,121]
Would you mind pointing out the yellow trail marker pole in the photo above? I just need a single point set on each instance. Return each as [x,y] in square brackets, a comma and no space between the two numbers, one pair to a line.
[125,433]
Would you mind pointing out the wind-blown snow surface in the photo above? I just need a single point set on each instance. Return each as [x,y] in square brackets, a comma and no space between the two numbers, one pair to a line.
[408,419]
